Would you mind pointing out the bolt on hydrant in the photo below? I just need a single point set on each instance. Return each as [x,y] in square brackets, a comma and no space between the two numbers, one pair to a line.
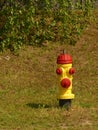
[65,71]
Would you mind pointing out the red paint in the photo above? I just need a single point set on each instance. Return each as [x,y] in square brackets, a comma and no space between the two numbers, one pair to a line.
[64,59]
[59,71]
[65,83]
[71,71]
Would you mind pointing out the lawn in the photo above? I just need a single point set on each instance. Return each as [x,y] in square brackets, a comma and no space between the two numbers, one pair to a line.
[28,86]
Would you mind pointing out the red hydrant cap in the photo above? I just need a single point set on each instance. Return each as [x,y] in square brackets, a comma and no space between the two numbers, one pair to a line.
[64,59]
[71,71]
[65,83]
[59,71]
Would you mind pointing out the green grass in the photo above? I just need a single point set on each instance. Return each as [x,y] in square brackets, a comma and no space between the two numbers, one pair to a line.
[28,87]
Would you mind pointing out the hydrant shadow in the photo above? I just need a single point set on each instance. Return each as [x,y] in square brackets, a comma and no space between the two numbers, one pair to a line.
[38,105]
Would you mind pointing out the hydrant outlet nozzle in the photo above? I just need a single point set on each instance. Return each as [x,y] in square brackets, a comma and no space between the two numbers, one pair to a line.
[71,71]
[65,83]
[59,71]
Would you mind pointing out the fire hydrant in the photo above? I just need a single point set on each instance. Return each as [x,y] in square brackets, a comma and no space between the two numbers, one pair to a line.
[65,71]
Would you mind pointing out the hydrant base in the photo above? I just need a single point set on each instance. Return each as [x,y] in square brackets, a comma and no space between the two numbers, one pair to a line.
[65,103]
[66,96]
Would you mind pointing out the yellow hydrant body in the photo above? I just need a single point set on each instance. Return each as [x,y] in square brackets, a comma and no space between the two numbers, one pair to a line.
[65,71]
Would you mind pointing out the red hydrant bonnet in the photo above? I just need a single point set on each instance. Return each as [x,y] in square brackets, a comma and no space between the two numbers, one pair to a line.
[64,59]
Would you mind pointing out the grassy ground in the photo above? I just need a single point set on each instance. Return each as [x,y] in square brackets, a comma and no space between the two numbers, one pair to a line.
[28,87]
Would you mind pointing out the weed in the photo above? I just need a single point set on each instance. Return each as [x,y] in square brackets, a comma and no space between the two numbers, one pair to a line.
[36,22]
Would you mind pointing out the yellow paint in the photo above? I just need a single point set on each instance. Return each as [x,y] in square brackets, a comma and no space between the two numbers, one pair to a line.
[65,93]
